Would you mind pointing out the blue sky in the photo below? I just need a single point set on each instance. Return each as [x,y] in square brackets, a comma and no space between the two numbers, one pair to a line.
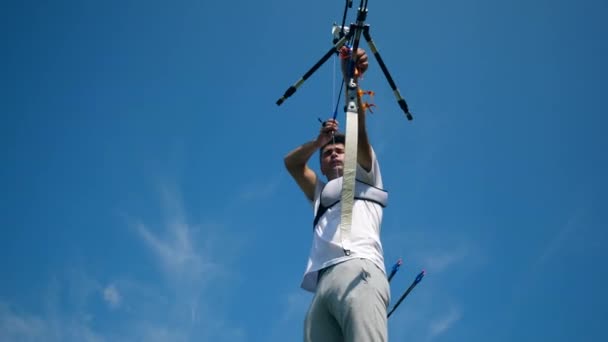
[144,196]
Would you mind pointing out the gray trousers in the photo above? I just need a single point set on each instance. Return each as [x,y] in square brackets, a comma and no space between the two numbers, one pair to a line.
[349,305]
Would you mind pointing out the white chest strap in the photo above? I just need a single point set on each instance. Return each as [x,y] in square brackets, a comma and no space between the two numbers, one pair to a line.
[331,195]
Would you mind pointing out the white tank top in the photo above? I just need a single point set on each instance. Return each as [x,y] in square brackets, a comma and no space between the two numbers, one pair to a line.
[326,249]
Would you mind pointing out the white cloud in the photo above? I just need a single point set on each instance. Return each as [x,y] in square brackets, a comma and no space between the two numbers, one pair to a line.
[183,256]
[561,238]
[158,333]
[445,322]
[442,260]
[193,260]
[442,253]
[176,252]
[14,326]
[112,296]
[184,304]
[294,307]
[50,327]
[260,190]
[435,250]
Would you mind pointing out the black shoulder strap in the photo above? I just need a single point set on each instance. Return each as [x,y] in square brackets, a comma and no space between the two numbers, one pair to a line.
[320,212]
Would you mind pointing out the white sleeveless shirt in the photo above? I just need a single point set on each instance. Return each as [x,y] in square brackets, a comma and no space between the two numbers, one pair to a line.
[326,249]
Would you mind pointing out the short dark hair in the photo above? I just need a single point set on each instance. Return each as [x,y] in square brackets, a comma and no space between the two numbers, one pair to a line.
[339,138]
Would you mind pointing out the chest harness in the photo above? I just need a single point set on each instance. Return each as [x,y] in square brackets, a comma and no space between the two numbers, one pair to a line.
[330,196]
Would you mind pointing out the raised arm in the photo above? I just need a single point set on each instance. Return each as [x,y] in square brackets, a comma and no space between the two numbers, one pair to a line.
[364,149]
[296,161]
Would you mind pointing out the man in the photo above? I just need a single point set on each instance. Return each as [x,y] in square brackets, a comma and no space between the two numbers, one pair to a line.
[351,289]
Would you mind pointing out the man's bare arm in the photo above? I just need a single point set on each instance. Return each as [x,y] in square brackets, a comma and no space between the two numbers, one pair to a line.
[296,160]
[364,149]
[296,164]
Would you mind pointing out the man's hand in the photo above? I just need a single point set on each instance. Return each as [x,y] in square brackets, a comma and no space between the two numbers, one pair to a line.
[361,61]
[328,128]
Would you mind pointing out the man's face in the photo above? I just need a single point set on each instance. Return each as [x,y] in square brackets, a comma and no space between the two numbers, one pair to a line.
[332,160]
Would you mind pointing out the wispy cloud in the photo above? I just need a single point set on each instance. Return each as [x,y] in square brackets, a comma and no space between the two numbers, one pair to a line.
[260,190]
[445,254]
[17,326]
[175,250]
[437,252]
[442,260]
[158,333]
[63,325]
[192,259]
[443,323]
[183,303]
[112,296]
[54,324]
[294,307]
[560,239]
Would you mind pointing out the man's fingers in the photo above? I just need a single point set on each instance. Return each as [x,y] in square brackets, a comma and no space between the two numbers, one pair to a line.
[360,52]
[329,126]
[362,60]
[330,122]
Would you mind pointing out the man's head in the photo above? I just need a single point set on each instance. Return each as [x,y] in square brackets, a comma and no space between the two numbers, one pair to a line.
[331,157]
